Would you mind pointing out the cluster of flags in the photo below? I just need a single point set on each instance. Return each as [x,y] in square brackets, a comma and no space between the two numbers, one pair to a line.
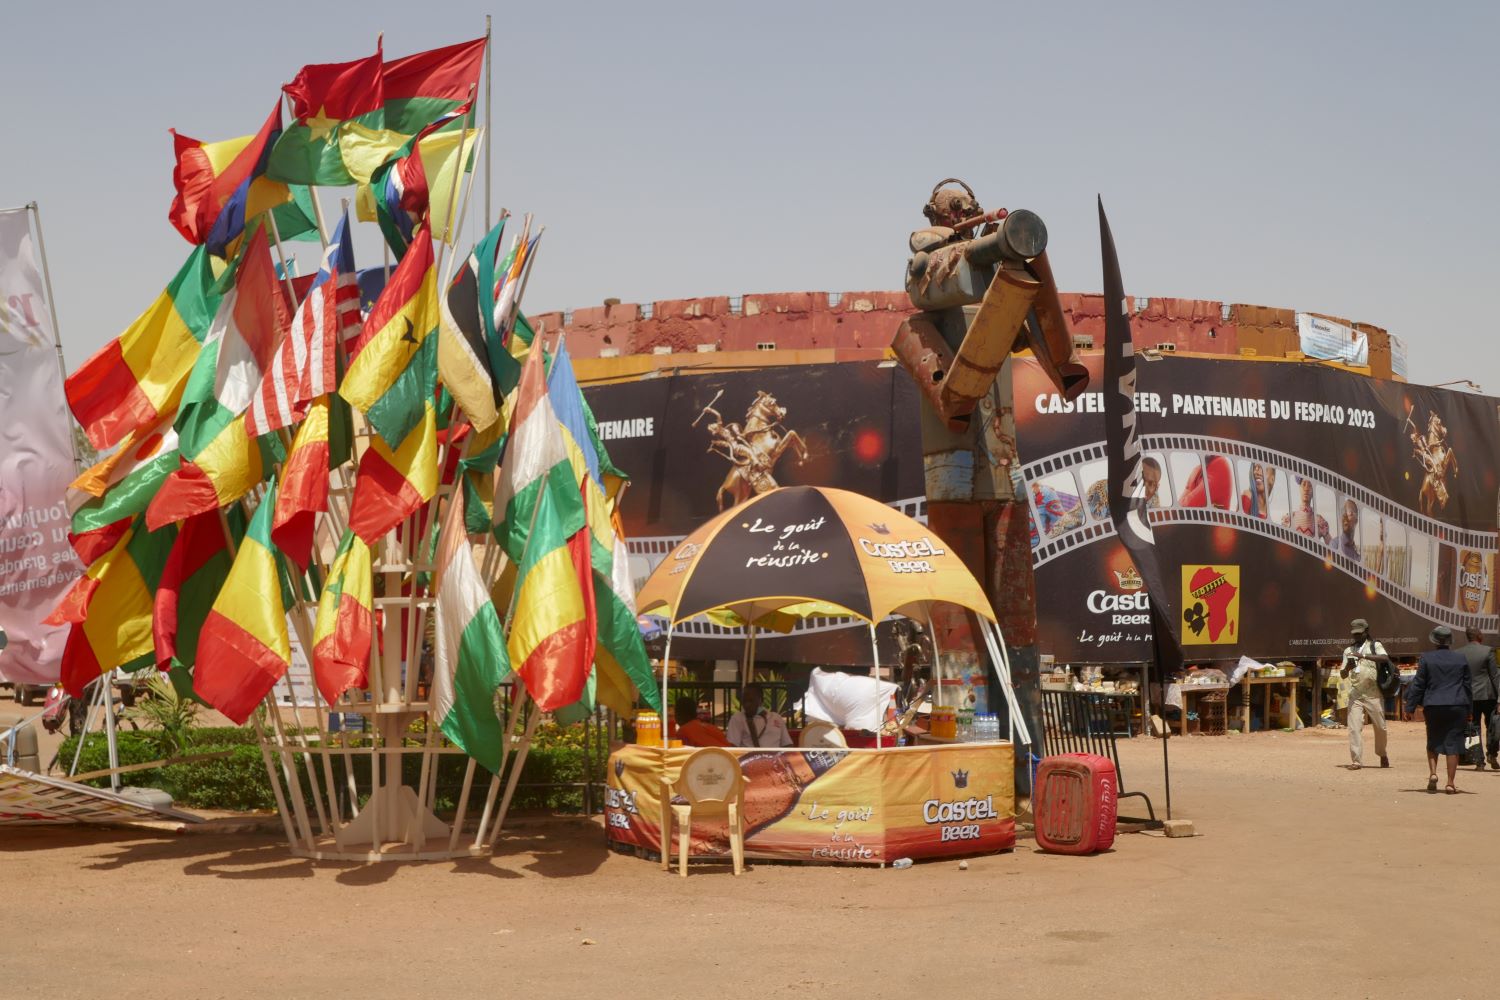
[232,400]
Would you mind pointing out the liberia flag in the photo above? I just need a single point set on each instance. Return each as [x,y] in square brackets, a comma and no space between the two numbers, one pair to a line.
[304,366]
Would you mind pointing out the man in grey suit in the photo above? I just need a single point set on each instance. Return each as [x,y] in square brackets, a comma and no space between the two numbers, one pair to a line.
[1485,679]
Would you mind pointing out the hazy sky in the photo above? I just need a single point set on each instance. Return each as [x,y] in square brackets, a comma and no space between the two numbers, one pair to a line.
[1333,157]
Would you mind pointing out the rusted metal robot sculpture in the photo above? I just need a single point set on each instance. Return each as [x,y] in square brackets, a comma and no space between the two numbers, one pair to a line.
[985,290]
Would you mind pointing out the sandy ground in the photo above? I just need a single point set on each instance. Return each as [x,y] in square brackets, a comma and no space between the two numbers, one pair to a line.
[1307,879]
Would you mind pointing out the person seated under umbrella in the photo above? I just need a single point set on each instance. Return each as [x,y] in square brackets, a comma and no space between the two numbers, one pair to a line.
[691,730]
[755,726]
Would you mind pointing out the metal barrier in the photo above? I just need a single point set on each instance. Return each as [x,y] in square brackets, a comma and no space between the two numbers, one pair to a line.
[1084,722]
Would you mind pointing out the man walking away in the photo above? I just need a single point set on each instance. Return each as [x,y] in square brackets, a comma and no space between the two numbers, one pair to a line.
[1485,679]
[1361,666]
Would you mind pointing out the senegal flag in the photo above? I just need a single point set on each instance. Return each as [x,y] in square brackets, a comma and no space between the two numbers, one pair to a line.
[243,648]
[138,378]
[341,637]
[469,649]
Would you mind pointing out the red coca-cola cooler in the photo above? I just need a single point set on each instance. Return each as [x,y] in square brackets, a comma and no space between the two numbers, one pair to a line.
[1075,803]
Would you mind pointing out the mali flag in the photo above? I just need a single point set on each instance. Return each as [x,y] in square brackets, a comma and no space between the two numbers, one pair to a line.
[243,648]
[394,368]
[341,637]
[324,96]
[138,378]
[220,184]
[110,608]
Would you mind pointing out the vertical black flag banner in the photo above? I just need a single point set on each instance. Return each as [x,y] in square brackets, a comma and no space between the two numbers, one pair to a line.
[1128,501]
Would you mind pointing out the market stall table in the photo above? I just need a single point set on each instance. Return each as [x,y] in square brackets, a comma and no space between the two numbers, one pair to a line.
[1268,683]
[1190,691]
[832,806]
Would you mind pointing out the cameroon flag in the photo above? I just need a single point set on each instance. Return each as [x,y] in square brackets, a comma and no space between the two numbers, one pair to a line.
[137,378]
[243,648]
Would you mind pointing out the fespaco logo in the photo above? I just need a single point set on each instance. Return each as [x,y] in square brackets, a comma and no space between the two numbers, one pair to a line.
[1210,604]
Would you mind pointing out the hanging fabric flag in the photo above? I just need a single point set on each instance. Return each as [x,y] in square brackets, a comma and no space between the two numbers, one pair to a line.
[420,87]
[110,608]
[190,581]
[243,646]
[304,366]
[419,181]
[122,485]
[304,487]
[138,378]
[468,326]
[545,532]
[508,304]
[324,96]
[478,471]
[219,184]
[341,636]
[251,323]
[392,484]
[469,648]
[223,472]
[391,376]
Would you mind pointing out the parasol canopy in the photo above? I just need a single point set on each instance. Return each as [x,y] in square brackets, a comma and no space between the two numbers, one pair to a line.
[810,550]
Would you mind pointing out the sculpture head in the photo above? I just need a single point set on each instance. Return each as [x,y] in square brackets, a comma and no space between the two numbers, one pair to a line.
[950,205]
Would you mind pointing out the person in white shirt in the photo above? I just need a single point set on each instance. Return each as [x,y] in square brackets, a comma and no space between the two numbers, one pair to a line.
[1361,667]
[754,726]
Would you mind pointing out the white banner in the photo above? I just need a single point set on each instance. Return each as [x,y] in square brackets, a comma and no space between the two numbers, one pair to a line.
[37,565]
[1323,338]
[1398,358]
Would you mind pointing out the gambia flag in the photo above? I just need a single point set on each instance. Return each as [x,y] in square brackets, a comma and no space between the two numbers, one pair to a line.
[249,326]
[109,608]
[341,637]
[243,648]
[138,378]
[219,184]
[324,96]
[224,471]
[545,531]
[393,370]
[469,649]
[194,573]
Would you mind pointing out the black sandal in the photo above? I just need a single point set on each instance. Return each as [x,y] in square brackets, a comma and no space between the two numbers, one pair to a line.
[1450,790]
[1432,785]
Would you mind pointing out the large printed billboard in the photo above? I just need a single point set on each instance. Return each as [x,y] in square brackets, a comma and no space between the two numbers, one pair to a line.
[695,444]
[1286,499]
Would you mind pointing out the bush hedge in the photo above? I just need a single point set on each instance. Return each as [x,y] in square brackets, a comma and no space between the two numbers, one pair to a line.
[239,782]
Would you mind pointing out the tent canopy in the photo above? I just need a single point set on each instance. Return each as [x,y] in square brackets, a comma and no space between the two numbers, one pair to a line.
[799,551]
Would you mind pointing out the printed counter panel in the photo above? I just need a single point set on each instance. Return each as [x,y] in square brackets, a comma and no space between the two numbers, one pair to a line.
[834,806]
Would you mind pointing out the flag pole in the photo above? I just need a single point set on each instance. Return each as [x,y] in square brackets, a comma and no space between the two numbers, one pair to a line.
[489,114]
[62,365]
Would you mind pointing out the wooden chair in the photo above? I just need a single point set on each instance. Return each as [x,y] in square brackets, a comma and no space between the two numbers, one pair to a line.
[713,785]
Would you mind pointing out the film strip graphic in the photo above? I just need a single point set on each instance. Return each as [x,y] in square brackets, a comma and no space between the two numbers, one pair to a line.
[647,552]
[1423,530]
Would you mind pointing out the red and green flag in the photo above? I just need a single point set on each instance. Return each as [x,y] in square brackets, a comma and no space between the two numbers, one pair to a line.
[138,378]
[224,471]
[342,634]
[190,582]
[243,646]
[304,479]
[221,184]
[324,96]
[419,88]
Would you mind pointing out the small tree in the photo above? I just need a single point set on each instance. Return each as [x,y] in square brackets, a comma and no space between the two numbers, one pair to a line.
[169,718]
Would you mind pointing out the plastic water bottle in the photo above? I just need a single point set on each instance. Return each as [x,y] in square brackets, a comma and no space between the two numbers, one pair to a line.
[901,863]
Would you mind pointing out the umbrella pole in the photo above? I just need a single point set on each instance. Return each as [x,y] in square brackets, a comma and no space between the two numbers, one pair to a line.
[875,672]
[937,662]
[666,658]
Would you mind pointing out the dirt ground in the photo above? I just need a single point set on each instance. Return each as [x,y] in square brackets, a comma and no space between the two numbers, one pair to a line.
[1306,879]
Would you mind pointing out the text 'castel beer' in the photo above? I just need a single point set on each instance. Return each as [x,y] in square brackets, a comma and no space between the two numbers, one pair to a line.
[964,813]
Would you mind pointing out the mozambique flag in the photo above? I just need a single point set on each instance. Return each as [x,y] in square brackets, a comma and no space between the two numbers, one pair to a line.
[420,87]
[469,648]
[190,581]
[222,180]
[251,322]
[392,374]
[324,96]
[138,378]
[223,472]
[105,497]
[304,483]
[341,637]
[545,532]
[110,608]
[468,327]
[392,484]
[243,646]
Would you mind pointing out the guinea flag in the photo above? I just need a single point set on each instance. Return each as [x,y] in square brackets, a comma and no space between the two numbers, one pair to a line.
[341,636]
[138,378]
[469,652]
[243,648]
[324,96]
